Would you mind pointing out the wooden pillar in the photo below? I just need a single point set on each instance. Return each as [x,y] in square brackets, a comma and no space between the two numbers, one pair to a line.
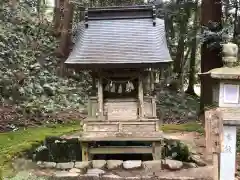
[152,80]
[85,152]
[89,107]
[100,97]
[140,96]
[154,107]
[157,150]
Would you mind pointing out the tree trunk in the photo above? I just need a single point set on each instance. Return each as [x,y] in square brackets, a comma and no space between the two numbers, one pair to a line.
[67,29]
[210,59]
[235,32]
[226,9]
[191,78]
[66,34]
[179,60]
[190,89]
[238,31]
[58,16]
[183,18]
[180,52]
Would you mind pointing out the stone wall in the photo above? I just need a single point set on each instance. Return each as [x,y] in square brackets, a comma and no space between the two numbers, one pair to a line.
[106,168]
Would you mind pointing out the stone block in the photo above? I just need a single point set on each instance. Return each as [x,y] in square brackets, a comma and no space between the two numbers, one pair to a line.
[95,172]
[46,164]
[76,170]
[113,164]
[65,174]
[172,164]
[83,164]
[99,164]
[67,165]
[132,164]
[198,160]
[152,165]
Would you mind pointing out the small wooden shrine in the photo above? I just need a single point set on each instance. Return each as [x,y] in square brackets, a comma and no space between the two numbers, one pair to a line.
[121,47]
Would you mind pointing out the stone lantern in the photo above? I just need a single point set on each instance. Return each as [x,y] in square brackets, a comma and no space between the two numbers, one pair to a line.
[230,53]
[226,97]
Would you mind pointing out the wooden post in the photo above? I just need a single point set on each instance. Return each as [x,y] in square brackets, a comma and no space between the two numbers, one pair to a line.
[100,97]
[89,107]
[157,150]
[152,80]
[85,152]
[154,108]
[140,97]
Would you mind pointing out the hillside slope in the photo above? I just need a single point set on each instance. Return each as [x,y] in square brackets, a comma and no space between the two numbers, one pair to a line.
[33,93]
[31,89]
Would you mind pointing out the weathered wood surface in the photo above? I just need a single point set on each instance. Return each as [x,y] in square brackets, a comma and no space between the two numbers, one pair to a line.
[116,136]
[140,96]
[148,107]
[92,119]
[121,110]
[100,97]
[92,107]
[121,150]
[157,150]
[102,127]
[121,126]
[139,127]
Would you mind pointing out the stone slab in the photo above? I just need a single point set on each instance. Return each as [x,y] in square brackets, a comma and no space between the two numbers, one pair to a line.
[132,164]
[68,165]
[83,164]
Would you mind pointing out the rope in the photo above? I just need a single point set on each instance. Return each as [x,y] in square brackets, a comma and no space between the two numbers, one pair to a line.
[120,81]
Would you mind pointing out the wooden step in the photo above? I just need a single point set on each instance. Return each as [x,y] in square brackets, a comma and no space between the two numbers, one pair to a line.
[120,126]
[121,150]
[117,136]
[121,120]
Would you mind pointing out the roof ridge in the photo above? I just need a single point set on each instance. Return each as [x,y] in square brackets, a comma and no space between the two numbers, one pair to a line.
[111,8]
[120,12]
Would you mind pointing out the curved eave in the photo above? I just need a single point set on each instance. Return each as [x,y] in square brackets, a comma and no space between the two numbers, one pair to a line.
[120,66]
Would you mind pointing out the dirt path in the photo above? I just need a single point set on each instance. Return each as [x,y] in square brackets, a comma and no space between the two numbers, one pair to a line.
[201,172]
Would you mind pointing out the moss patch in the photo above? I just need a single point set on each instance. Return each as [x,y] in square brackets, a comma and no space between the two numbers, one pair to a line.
[13,144]
[187,127]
